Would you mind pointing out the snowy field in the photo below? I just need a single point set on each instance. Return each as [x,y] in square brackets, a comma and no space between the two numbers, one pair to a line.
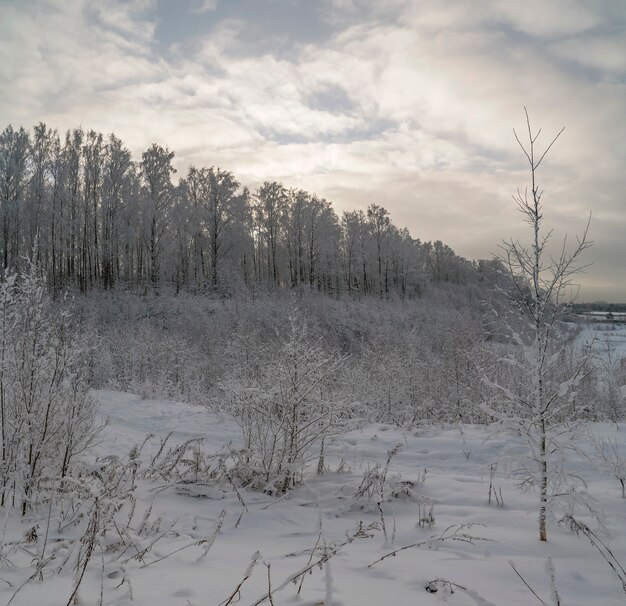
[209,535]
[608,341]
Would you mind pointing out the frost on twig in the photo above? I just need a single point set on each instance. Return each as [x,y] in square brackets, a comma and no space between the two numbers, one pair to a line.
[454,533]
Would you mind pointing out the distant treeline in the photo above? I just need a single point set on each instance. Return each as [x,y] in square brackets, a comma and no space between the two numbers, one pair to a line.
[91,217]
[581,308]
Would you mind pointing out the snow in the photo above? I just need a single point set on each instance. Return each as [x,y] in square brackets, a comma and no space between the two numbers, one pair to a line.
[605,340]
[449,468]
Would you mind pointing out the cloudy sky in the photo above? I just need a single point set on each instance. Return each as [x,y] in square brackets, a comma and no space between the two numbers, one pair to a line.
[405,103]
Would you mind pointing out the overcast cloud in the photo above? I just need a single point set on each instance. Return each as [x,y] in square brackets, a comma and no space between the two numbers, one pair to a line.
[405,103]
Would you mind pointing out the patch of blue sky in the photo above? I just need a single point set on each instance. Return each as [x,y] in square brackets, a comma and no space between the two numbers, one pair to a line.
[275,26]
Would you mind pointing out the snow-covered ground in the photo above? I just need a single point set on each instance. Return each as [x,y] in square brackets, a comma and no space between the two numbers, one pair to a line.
[449,469]
[608,341]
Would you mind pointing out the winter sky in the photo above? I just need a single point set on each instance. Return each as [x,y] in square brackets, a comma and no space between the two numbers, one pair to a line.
[405,103]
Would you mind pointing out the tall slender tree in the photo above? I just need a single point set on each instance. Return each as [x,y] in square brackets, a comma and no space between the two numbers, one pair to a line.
[542,289]
[156,170]
[14,177]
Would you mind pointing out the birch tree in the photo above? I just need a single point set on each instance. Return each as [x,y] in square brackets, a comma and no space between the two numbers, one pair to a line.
[542,288]
[224,209]
[156,167]
[271,202]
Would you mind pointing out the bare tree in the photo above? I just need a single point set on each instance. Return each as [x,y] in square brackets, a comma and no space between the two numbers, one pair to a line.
[542,287]
[271,202]
[156,166]
[379,222]
[14,161]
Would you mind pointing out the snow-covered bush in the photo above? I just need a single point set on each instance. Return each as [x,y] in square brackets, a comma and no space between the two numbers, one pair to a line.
[46,413]
[284,399]
[609,457]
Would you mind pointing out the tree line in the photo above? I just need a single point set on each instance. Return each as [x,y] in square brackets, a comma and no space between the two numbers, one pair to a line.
[91,217]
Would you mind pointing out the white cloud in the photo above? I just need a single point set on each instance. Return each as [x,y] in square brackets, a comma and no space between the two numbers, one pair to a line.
[607,53]
[548,19]
[204,6]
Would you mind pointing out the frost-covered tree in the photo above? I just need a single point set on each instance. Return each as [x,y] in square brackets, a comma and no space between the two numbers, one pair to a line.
[216,211]
[271,202]
[379,223]
[541,401]
[116,184]
[156,169]
[14,175]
